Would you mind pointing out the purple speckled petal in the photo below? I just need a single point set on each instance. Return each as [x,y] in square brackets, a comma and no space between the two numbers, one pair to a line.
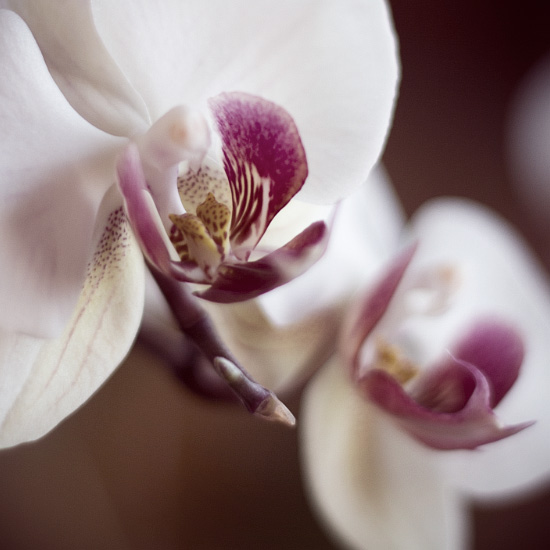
[44,380]
[145,220]
[368,311]
[449,407]
[55,169]
[264,160]
[238,282]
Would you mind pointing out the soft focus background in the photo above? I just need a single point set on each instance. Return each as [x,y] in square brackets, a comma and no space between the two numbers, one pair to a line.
[147,465]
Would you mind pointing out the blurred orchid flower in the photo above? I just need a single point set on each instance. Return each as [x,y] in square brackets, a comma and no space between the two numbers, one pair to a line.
[446,405]
[435,346]
[91,87]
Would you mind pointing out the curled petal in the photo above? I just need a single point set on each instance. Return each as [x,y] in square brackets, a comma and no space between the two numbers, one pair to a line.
[140,208]
[54,171]
[42,381]
[450,409]
[332,66]
[81,66]
[451,405]
[264,161]
[242,281]
[497,350]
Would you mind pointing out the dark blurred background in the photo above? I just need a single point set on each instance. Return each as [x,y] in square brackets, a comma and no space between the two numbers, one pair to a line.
[145,465]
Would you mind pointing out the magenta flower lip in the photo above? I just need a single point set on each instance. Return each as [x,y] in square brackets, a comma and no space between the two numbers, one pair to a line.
[445,405]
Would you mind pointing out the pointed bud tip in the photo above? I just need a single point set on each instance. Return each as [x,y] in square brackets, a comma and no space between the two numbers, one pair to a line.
[275,410]
[257,399]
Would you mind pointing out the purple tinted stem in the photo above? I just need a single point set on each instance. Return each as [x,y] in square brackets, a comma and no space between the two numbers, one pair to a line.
[197,326]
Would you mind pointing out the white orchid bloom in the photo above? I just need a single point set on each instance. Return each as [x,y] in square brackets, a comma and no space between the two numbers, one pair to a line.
[88,82]
[453,330]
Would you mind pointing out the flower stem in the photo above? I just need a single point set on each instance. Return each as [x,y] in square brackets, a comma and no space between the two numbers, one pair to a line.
[195,323]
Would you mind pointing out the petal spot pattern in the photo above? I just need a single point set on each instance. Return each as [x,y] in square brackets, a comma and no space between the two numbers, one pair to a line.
[110,249]
[194,187]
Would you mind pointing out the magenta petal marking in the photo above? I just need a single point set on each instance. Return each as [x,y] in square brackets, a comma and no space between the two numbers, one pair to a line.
[368,311]
[243,281]
[451,408]
[264,160]
[497,350]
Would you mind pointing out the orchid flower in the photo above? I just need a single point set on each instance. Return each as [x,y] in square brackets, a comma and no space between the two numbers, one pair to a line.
[133,126]
[454,333]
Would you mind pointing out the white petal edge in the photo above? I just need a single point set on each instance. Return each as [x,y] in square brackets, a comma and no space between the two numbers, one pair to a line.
[81,66]
[514,286]
[43,381]
[371,484]
[54,170]
[332,65]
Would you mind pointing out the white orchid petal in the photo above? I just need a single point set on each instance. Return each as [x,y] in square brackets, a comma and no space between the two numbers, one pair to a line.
[42,381]
[54,170]
[372,484]
[509,283]
[81,66]
[331,65]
